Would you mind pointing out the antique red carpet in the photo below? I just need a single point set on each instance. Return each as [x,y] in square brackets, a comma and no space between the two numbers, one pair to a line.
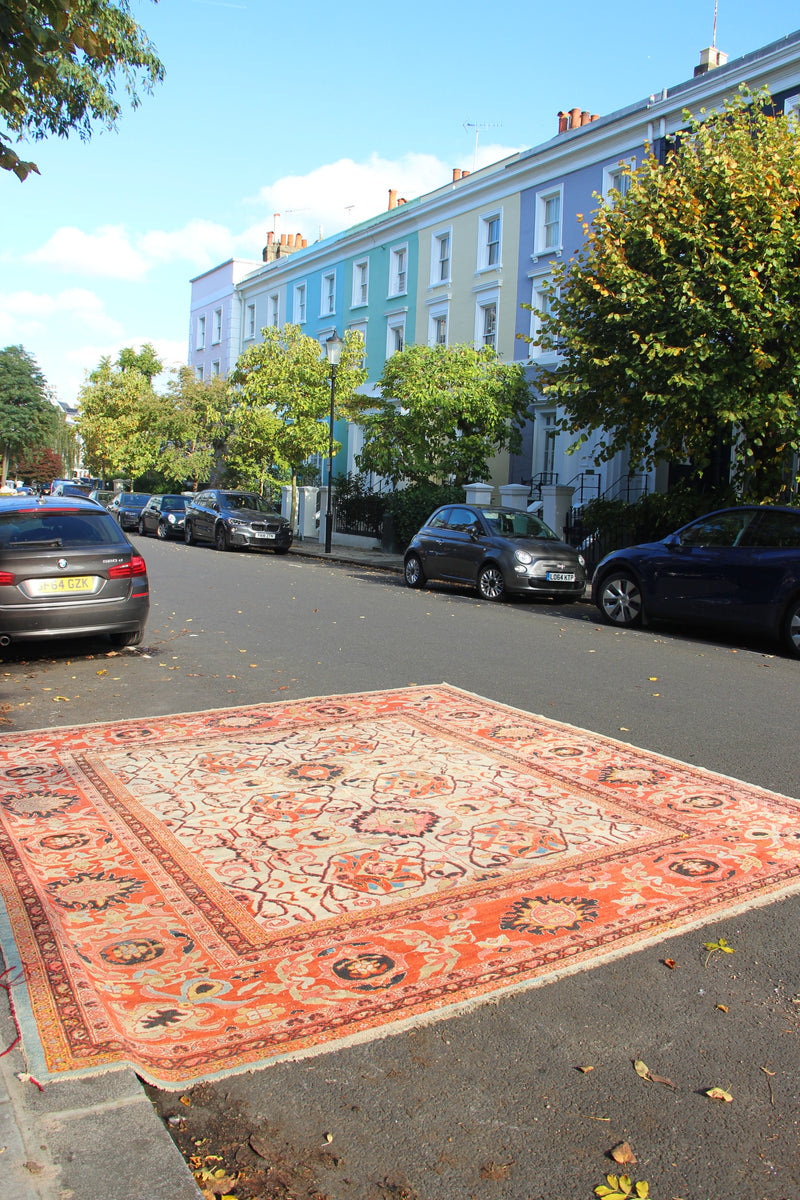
[215,890]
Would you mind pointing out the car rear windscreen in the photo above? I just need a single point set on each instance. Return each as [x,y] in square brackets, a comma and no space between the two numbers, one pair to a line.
[57,530]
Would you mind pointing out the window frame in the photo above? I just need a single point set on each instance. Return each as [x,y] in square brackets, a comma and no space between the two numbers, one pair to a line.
[487,220]
[437,241]
[616,169]
[200,333]
[300,303]
[327,294]
[395,281]
[540,213]
[360,287]
[395,322]
[538,295]
[250,322]
[216,328]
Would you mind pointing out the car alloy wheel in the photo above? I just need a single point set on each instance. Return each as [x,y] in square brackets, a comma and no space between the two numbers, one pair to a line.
[621,599]
[792,628]
[188,535]
[142,530]
[491,583]
[220,537]
[161,531]
[413,573]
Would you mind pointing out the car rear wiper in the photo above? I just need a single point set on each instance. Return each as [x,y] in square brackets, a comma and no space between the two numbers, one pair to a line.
[50,544]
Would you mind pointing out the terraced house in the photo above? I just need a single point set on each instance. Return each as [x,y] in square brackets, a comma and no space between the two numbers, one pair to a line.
[455,265]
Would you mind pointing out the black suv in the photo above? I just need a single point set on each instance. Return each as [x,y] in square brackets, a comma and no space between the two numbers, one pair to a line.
[236,519]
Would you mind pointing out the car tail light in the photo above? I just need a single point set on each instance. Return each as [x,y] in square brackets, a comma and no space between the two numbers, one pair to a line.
[136,566]
[6,577]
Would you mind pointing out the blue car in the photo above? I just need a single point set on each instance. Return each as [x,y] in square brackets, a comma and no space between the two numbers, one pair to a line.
[738,568]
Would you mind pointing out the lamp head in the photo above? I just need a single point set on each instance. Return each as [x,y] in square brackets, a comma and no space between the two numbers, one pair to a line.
[333,349]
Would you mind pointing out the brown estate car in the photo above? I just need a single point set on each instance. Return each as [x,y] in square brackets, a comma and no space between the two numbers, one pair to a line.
[68,570]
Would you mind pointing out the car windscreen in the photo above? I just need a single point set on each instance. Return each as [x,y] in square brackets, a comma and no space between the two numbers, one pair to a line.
[173,503]
[134,499]
[247,500]
[57,529]
[518,525]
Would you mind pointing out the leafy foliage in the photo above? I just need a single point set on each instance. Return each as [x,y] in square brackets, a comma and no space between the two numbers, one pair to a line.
[654,515]
[195,424]
[677,322]
[27,418]
[444,412]
[40,465]
[60,61]
[410,507]
[121,420]
[282,400]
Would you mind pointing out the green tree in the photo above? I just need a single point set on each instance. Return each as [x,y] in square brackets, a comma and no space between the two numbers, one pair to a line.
[27,418]
[196,422]
[60,64]
[282,400]
[121,421]
[677,323]
[146,361]
[444,412]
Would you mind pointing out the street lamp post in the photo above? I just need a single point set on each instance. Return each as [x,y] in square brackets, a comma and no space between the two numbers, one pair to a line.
[333,351]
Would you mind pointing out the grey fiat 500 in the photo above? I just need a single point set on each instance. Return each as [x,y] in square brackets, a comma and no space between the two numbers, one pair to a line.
[496,550]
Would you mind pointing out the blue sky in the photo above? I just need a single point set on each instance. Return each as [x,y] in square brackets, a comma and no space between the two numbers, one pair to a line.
[311,111]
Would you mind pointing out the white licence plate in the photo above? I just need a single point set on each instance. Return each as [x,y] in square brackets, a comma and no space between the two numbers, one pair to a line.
[259,534]
[560,576]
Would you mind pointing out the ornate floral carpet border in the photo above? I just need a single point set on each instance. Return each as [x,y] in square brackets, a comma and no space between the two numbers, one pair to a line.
[215,890]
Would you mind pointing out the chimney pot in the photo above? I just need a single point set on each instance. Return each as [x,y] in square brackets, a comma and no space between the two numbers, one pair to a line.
[270,237]
[585,118]
[283,239]
[595,117]
[392,197]
[574,118]
[305,243]
[464,174]
[456,174]
[563,122]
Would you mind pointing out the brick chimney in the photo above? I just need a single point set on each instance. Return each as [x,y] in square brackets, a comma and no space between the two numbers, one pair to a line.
[286,244]
[575,119]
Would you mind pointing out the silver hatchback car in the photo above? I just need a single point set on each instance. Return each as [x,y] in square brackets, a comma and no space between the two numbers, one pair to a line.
[68,570]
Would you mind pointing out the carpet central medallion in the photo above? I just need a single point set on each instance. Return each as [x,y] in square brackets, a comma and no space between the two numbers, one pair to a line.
[227,887]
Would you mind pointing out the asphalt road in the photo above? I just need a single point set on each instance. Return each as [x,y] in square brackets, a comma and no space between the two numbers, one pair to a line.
[490,1103]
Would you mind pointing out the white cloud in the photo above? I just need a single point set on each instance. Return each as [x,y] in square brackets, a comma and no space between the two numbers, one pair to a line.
[343,193]
[326,200]
[26,314]
[202,244]
[107,252]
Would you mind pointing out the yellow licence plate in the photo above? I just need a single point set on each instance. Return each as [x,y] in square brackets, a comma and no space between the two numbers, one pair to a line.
[56,587]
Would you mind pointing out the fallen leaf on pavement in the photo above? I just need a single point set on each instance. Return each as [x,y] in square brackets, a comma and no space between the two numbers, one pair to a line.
[623,1154]
[718,1093]
[584,1070]
[259,1145]
[670,962]
[641,1069]
[497,1171]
